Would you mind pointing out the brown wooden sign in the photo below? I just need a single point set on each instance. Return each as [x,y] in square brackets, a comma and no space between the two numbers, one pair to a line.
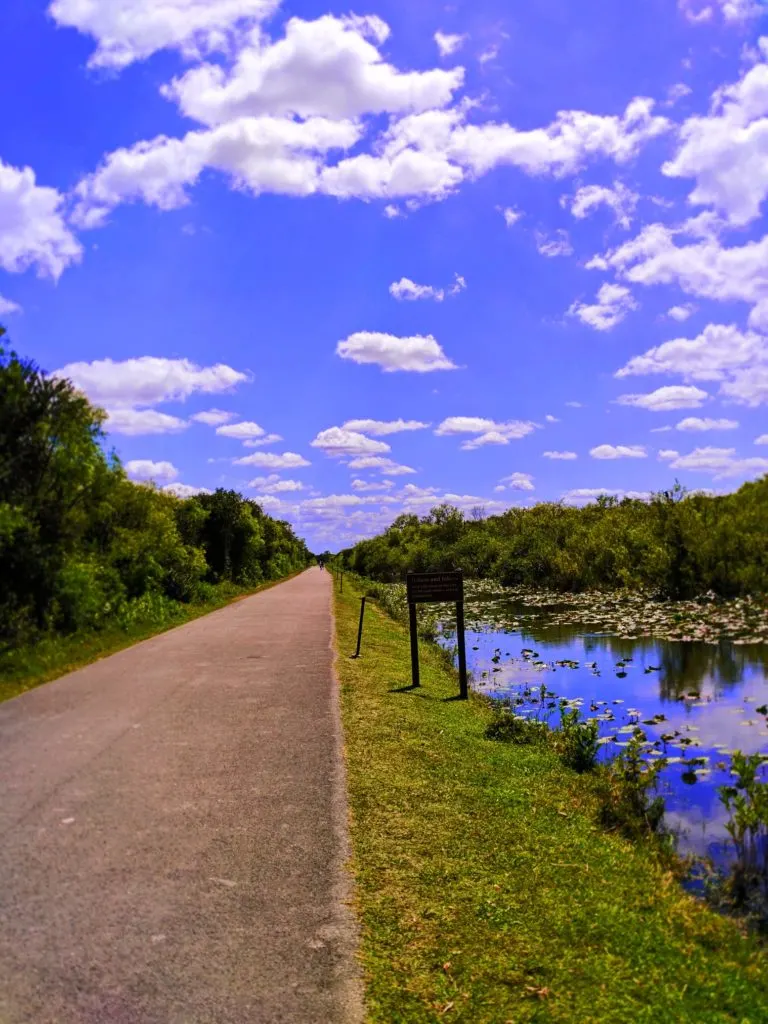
[432,587]
[435,587]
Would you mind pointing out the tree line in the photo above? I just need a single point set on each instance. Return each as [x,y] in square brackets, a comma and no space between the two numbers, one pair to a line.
[82,546]
[677,544]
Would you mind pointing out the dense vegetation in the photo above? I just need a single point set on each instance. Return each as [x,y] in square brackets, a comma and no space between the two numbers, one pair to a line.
[82,548]
[678,545]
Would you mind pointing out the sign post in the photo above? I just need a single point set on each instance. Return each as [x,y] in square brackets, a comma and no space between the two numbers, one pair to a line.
[433,588]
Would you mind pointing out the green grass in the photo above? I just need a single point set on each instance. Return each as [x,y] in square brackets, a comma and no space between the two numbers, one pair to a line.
[487,892]
[24,668]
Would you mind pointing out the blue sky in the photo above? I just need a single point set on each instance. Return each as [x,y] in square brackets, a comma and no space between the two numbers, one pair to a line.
[500,252]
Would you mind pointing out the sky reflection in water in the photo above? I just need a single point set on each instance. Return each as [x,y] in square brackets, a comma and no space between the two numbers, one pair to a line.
[708,693]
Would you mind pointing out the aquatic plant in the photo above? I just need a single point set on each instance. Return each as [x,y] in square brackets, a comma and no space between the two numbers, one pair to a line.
[747,804]
[627,791]
[577,741]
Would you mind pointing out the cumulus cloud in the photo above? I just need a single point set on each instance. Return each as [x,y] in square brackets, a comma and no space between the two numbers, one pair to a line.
[141,422]
[273,484]
[487,431]
[511,216]
[185,490]
[719,463]
[619,451]
[380,465]
[614,302]
[448,43]
[339,441]
[409,290]
[561,456]
[329,67]
[763,439]
[697,424]
[380,428]
[259,154]
[32,226]
[712,355]
[244,431]
[148,380]
[130,30]
[7,307]
[748,387]
[269,460]
[213,417]
[681,313]
[518,482]
[145,469]
[261,442]
[666,399]
[620,199]
[367,485]
[584,495]
[725,150]
[559,245]
[418,354]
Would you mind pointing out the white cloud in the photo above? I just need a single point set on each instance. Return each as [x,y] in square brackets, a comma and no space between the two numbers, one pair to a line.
[561,148]
[329,67]
[714,353]
[244,431]
[380,428]
[380,465]
[511,216]
[272,484]
[720,463]
[763,439]
[725,151]
[583,495]
[32,226]
[145,469]
[391,211]
[681,313]
[614,302]
[620,199]
[561,456]
[487,431]
[269,460]
[7,307]
[338,441]
[132,30]
[666,399]
[148,380]
[185,490]
[575,405]
[735,11]
[261,442]
[666,454]
[518,482]
[260,154]
[448,43]
[366,485]
[415,498]
[409,173]
[213,417]
[409,290]
[677,92]
[748,387]
[695,423]
[419,354]
[619,451]
[140,422]
[560,245]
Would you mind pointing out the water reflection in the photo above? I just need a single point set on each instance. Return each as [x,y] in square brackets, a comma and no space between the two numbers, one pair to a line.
[704,696]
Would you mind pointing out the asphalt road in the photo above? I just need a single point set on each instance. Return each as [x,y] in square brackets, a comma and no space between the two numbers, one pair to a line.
[173,829]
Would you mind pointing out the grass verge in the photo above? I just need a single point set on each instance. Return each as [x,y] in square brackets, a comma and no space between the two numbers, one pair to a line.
[24,668]
[487,892]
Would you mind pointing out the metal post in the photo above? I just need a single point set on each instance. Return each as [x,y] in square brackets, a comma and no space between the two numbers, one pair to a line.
[463,688]
[414,644]
[360,627]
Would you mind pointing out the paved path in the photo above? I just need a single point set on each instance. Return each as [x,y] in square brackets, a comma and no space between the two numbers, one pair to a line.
[172,829]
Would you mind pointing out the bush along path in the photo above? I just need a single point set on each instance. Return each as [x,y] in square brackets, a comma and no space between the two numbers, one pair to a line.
[487,889]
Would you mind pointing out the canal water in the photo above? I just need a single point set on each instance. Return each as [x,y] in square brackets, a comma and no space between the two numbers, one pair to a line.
[695,702]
